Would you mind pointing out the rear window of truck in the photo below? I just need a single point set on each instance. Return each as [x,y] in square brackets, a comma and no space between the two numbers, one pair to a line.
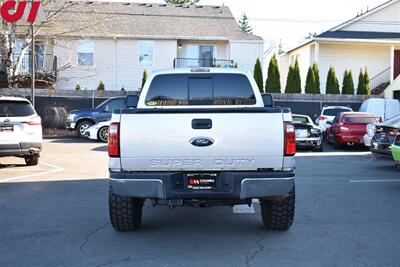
[369,120]
[16,109]
[335,111]
[200,89]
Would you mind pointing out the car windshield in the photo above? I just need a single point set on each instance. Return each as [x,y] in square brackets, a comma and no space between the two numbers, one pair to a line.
[393,122]
[298,119]
[357,119]
[200,89]
[16,109]
[335,111]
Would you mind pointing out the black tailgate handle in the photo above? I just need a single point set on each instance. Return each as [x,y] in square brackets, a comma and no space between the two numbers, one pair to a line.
[202,124]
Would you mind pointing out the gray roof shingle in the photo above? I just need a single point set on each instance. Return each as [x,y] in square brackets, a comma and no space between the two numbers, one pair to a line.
[153,21]
[359,35]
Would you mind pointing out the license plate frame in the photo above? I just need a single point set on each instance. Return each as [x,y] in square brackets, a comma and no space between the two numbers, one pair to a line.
[6,128]
[201,181]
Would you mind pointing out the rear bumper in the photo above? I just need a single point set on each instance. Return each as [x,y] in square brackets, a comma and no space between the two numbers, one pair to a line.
[230,185]
[70,126]
[381,149]
[309,142]
[345,138]
[21,149]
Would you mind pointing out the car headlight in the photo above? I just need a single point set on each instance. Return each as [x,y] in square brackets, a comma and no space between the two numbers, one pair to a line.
[71,117]
[315,131]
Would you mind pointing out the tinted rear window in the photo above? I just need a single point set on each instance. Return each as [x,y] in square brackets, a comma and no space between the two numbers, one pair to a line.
[300,119]
[16,109]
[200,89]
[368,120]
[335,111]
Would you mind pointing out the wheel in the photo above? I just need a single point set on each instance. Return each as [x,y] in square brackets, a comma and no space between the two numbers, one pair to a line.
[319,148]
[32,160]
[102,134]
[82,126]
[278,215]
[125,212]
[398,165]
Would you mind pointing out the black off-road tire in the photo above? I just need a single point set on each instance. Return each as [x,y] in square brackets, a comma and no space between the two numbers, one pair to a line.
[125,212]
[32,160]
[278,215]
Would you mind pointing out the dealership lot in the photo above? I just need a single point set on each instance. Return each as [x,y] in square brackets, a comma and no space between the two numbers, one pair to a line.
[56,214]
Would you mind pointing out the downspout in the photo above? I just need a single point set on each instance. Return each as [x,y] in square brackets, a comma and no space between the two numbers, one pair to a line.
[115,64]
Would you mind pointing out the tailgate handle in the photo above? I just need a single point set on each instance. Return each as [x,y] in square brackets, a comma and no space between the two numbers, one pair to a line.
[202,124]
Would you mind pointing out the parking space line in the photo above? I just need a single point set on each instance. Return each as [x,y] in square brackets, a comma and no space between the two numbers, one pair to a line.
[54,170]
[374,181]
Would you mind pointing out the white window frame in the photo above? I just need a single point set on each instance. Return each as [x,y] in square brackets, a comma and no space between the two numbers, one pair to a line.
[139,53]
[77,52]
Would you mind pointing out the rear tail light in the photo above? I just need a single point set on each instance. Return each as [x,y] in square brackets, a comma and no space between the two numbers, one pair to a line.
[113,140]
[35,120]
[323,118]
[392,133]
[290,140]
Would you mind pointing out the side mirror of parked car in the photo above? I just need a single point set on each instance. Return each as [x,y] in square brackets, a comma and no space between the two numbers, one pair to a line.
[268,100]
[132,101]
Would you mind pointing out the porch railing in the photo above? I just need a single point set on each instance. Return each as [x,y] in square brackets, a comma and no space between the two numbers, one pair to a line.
[381,78]
[199,62]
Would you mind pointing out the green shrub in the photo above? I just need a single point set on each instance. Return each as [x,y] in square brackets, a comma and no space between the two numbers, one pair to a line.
[366,82]
[144,78]
[311,84]
[78,87]
[273,83]
[290,82]
[332,83]
[101,86]
[361,89]
[348,84]
[258,76]
[317,78]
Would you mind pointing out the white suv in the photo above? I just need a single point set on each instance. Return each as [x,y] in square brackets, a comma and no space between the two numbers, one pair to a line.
[20,130]
[328,114]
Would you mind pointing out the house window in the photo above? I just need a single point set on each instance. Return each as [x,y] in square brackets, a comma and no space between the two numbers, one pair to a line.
[85,53]
[25,66]
[146,52]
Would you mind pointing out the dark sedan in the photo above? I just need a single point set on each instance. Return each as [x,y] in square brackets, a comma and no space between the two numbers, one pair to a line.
[384,137]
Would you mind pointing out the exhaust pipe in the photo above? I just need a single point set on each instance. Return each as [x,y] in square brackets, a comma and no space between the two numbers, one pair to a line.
[350,144]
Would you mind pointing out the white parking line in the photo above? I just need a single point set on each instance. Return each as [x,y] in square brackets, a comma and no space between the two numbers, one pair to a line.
[54,170]
[375,181]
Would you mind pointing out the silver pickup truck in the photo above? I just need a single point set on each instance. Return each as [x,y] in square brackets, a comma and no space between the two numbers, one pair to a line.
[201,138]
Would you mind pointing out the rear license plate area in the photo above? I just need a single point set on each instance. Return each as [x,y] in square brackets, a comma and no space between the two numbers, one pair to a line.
[6,128]
[201,181]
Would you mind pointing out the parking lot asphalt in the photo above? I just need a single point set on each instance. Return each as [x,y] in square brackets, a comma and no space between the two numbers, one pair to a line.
[56,214]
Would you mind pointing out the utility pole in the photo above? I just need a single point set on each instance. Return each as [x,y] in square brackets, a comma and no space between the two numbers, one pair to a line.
[33,65]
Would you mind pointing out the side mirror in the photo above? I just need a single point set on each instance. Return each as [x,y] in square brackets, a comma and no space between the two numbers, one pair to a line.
[268,100]
[132,101]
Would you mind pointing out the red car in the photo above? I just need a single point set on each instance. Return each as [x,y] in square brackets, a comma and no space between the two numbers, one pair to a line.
[348,128]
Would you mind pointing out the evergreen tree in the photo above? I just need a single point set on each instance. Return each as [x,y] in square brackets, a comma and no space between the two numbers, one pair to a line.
[244,24]
[366,82]
[290,81]
[101,86]
[361,89]
[317,79]
[297,78]
[311,85]
[144,78]
[332,83]
[348,84]
[273,83]
[258,75]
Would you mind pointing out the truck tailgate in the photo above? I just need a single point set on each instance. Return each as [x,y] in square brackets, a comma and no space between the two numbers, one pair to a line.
[242,141]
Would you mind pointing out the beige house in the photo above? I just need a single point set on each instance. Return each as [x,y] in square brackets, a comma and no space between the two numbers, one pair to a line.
[369,40]
[115,42]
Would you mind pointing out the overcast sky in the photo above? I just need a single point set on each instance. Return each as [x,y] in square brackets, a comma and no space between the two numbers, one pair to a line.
[292,20]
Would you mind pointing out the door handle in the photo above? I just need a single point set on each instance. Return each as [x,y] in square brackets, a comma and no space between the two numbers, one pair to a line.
[201,124]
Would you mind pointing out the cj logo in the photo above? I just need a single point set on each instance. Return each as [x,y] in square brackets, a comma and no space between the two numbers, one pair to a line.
[11,12]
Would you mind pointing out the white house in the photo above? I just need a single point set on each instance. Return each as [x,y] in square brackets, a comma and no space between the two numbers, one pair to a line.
[369,40]
[115,42]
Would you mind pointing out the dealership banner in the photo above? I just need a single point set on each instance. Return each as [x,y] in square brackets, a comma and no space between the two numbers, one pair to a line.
[12,12]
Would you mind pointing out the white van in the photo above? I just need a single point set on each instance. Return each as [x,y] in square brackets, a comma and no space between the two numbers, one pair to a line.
[381,108]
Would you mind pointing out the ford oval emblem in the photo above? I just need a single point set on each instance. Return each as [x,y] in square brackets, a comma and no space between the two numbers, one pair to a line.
[202,141]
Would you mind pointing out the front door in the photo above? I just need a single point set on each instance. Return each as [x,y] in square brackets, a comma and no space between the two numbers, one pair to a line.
[206,55]
[396,63]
